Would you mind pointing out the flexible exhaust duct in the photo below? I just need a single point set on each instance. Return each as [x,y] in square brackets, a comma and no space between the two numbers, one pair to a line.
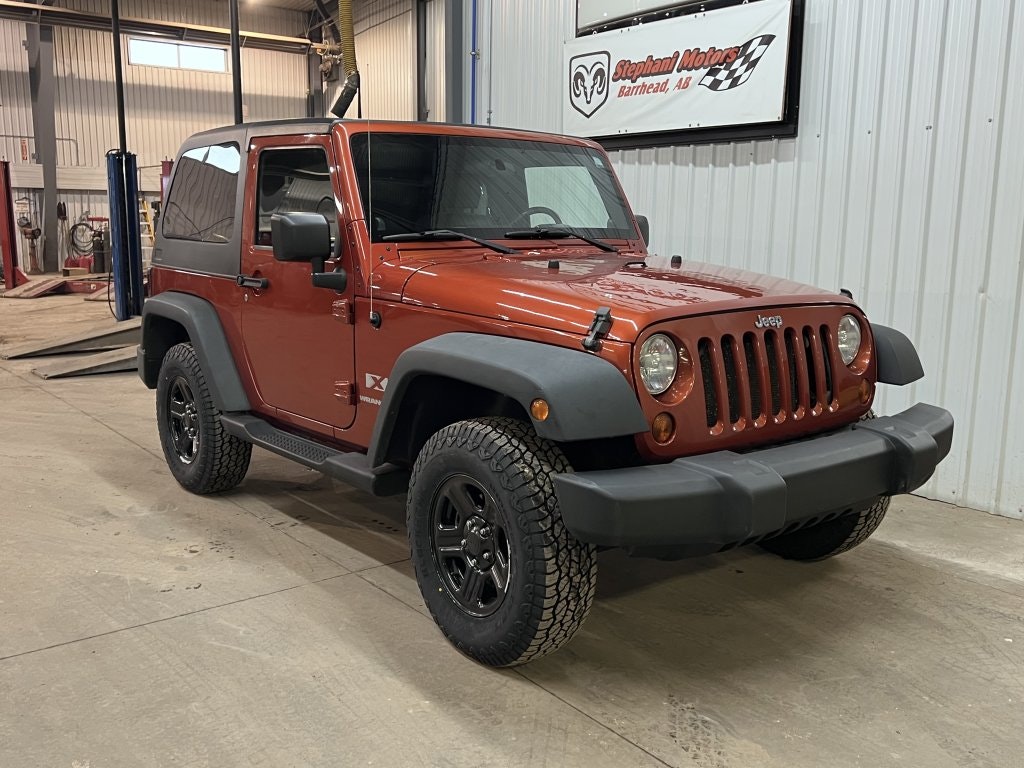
[346,29]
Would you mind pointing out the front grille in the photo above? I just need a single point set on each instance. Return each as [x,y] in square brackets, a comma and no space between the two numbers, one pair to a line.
[711,403]
[766,374]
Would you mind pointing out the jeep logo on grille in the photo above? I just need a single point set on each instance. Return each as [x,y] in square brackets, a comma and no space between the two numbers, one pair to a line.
[775,321]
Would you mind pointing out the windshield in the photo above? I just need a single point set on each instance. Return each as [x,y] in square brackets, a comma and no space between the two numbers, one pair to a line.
[485,187]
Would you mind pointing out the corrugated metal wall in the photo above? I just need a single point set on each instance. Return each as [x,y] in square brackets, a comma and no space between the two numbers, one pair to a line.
[15,101]
[905,185]
[163,106]
[386,51]
[520,68]
[434,68]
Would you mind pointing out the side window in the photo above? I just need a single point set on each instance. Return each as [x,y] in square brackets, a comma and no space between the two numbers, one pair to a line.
[293,181]
[201,203]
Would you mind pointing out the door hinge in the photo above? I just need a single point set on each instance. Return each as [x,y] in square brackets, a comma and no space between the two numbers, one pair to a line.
[345,391]
[342,311]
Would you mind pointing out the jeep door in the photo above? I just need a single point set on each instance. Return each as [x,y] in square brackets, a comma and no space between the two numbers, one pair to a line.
[298,341]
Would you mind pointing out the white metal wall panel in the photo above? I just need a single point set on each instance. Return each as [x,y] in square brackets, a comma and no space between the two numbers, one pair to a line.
[15,100]
[905,185]
[434,69]
[35,205]
[162,106]
[386,52]
[85,204]
[519,75]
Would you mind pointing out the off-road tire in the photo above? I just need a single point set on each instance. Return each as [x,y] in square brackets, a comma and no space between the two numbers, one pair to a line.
[221,460]
[825,540]
[552,580]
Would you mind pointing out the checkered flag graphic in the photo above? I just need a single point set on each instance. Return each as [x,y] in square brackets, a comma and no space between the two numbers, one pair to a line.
[737,72]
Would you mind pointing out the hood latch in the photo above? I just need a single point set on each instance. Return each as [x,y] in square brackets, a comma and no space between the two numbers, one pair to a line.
[599,327]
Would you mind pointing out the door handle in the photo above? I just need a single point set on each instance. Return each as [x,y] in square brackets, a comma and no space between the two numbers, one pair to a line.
[245,281]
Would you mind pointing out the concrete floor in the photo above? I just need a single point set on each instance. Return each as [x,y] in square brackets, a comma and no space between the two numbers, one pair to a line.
[280,625]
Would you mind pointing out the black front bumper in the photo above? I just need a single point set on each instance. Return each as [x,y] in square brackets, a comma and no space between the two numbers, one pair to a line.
[724,498]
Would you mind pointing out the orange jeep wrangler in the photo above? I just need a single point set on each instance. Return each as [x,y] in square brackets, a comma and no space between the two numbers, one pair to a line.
[470,316]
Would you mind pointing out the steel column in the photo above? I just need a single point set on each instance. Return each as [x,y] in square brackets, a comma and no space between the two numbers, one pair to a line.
[454,62]
[115,28]
[41,83]
[236,62]
[315,79]
[421,60]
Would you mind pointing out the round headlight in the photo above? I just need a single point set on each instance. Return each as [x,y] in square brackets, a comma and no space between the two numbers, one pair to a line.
[849,338]
[658,362]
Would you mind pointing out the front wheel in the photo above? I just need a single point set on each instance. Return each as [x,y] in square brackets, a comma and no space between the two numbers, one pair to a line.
[500,574]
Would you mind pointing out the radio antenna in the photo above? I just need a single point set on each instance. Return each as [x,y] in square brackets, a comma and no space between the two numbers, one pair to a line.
[374,317]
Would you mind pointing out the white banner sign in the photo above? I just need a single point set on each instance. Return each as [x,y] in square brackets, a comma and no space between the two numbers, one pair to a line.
[594,13]
[719,68]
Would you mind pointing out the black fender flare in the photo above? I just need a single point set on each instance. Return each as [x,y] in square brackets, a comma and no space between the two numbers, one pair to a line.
[206,334]
[589,398]
[898,361]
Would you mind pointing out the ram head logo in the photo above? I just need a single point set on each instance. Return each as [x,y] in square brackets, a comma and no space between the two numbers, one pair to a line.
[588,81]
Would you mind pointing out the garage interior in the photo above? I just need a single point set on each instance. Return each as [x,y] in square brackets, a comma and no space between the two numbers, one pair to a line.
[281,623]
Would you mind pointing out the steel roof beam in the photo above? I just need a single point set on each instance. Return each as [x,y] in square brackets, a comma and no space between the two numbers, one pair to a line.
[66,17]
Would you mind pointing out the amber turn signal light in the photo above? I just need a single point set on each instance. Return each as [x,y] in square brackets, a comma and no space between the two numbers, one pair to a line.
[865,391]
[662,428]
[540,410]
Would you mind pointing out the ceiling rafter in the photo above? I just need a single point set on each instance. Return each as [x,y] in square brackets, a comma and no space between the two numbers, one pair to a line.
[57,16]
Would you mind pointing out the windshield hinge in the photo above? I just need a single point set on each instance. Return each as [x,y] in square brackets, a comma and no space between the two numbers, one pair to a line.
[599,327]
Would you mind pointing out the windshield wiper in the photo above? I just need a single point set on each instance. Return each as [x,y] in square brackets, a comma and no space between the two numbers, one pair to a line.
[446,234]
[560,231]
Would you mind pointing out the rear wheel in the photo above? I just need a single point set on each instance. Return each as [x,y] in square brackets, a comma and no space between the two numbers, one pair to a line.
[500,574]
[202,457]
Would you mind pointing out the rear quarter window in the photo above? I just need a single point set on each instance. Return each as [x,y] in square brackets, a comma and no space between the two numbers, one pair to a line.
[201,203]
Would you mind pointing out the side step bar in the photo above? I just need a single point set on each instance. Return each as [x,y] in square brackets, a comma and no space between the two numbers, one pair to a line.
[352,468]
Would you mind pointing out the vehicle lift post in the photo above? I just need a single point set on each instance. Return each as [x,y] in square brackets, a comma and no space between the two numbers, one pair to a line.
[123,190]
[13,276]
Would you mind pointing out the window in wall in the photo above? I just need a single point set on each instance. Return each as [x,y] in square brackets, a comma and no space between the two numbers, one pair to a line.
[294,181]
[162,53]
[201,203]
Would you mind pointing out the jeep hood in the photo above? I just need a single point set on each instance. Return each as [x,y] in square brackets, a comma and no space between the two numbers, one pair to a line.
[525,289]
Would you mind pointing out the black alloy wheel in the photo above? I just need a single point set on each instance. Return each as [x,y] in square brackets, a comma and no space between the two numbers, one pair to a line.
[202,457]
[499,572]
[183,420]
[470,546]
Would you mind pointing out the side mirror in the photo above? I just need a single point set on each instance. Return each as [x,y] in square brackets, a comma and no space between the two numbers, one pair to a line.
[300,236]
[307,237]
[645,229]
